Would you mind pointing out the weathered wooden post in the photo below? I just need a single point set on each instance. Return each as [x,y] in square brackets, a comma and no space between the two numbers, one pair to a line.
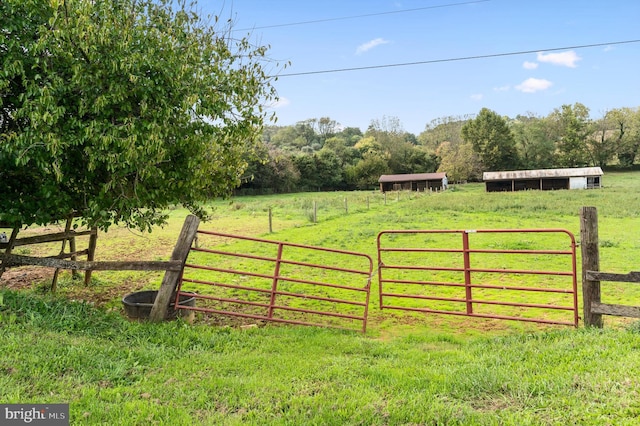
[270,221]
[315,212]
[72,247]
[170,280]
[7,251]
[590,262]
[91,253]
[56,273]
[346,206]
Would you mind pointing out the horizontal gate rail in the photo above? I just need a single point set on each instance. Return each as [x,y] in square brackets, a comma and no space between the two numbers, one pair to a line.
[407,273]
[279,287]
[495,287]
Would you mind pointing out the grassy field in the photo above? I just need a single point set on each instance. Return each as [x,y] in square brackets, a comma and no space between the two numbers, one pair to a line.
[77,347]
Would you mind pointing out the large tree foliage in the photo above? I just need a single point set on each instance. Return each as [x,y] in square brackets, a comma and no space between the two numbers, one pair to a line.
[460,163]
[534,140]
[115,110]
[572,128]
[492,140]
[624,127]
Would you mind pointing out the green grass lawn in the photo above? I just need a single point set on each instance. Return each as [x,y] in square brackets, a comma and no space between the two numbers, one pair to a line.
[117,372]
[77,347]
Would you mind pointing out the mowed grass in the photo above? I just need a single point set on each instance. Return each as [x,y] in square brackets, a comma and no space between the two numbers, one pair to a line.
[409,368]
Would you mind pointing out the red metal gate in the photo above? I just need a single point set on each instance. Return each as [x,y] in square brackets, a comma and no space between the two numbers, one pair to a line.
[438,272]
[278,281]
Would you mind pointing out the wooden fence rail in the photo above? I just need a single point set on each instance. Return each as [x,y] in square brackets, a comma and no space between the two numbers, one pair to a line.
[592,277]
[610,309]
[173,267]
[56,262]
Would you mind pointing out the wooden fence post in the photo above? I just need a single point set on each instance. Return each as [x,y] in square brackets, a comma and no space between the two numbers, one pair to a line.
[590,262]
[56,273]
[170,280]
[7,251]
[315,212]
[270,221]
[72,247]
[91,253]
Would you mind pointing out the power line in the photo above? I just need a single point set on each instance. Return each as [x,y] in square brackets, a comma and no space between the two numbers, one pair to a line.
[462,58]
[361,16]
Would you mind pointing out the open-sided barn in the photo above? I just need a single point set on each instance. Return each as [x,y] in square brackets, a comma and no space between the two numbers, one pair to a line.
[413,182]
[545,179]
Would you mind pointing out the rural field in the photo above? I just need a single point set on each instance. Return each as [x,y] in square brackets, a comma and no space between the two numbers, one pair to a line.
[76,346]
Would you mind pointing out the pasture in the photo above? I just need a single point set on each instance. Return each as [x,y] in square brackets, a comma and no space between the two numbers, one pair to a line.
[409,368]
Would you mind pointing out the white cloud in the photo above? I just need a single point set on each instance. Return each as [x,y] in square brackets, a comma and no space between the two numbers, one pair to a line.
[280,103]
[370,45]
[502,88]
[532,85]
[530,65]
[477,96]
[566,59]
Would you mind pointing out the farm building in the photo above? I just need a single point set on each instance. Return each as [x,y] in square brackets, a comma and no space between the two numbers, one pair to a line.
[547,179]
[413,182]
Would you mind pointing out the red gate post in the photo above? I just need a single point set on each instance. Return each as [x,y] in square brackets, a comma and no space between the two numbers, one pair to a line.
[171,278]
[467,271]
[590,262]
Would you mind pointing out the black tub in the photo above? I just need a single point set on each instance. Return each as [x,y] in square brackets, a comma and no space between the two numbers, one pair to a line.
[138,305]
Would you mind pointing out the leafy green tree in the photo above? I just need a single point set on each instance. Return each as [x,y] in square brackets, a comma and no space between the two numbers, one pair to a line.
[351,135]
[623,126]
[288,138]
[324,127]
[603,141]
[398,146]
[329,170]
[420,160]
[346,153]
[369,145]
[460,163]
[270,171]
[366,173]
[116,110]
[492,140]
[307,167]
[446,129]
[534,141]
[572,129]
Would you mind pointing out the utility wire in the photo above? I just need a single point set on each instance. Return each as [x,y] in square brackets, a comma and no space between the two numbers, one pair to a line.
[463,58]
[360,16]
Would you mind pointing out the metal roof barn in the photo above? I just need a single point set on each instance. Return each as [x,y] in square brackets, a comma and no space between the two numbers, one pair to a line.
[544,179]
[413,182]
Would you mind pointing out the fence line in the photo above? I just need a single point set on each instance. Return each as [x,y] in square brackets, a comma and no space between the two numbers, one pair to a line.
[592,277]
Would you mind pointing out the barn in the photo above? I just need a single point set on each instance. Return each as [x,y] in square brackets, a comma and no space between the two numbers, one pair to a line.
[546,179]
[413,182]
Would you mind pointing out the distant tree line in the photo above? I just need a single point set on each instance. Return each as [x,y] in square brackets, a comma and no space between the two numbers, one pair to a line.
[321,155]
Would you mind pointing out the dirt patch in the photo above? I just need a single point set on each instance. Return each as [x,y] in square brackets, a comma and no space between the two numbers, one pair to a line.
[25,277]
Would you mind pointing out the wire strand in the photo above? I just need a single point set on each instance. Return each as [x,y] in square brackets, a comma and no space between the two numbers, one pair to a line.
[462,58]
[316,21]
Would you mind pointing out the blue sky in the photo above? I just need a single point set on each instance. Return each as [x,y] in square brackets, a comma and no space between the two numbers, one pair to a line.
[601,78]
